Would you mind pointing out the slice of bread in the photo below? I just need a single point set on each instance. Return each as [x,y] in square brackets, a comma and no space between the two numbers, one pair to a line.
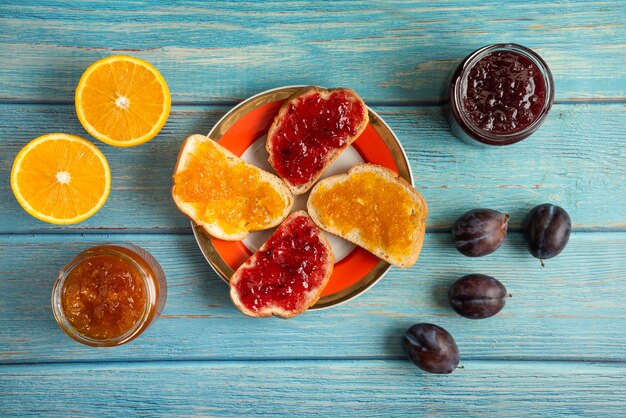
[295,262]
[209,181]
[373,208]
[289,155]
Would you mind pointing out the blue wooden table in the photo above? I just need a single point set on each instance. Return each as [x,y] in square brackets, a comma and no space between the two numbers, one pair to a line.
[558,347]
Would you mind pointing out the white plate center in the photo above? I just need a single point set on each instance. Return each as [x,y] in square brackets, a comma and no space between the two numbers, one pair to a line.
[256,154]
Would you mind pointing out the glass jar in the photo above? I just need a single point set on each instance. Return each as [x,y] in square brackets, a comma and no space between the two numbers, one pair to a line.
[109,294]
[499,95]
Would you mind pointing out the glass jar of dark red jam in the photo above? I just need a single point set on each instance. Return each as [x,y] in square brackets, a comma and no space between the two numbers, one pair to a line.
[499,95]
[109,294]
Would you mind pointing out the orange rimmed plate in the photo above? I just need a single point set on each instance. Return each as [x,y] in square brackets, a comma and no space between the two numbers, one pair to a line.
[243,131]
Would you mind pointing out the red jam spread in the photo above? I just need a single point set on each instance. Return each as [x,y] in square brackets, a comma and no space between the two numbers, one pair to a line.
[505,92]
[103,297]
[289,267]
[311,128]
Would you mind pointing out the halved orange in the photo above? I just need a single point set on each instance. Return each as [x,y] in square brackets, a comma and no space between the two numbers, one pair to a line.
[122,101]
[60,178]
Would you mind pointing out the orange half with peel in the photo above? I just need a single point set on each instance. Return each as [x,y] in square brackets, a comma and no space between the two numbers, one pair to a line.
[122,101]
[60,178]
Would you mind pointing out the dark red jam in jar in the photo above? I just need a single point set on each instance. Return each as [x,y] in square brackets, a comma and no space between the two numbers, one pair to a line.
[499,95]
[292,263]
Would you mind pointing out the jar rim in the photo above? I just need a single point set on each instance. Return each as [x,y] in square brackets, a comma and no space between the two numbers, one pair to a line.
[104,249]
[488,137]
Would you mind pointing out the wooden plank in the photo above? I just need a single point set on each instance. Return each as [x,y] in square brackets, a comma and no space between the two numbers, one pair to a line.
[571,309]
[313,388]
[388,51]
[576,160]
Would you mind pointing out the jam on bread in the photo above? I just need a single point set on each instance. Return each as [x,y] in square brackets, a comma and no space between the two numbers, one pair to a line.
[373,208]
[225,195]
[287,274]
[311,129]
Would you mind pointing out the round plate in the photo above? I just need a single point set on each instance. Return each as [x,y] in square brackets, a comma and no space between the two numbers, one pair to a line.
[243,131]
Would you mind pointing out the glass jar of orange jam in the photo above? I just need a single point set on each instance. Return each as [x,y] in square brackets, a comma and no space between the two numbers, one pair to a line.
[109,294]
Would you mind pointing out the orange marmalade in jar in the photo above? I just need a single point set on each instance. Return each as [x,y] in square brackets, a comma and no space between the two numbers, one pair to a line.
[109,294]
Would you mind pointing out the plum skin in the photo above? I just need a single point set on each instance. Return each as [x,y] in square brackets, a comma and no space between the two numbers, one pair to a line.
[547,230]
[431,348]
[479,232]
[477,296]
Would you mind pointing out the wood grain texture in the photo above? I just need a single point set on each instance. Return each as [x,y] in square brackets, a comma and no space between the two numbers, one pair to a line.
[575,160]
[224,51]
[314,388]
[571,309]
[203,357]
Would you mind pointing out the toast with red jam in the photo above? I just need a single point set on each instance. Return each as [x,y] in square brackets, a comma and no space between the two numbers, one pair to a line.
[287,274]
[312,128]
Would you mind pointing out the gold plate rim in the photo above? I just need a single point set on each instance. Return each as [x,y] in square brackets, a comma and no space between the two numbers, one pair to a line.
[280,93]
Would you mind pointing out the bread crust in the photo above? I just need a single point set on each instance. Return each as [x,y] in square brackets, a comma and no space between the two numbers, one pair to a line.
[275,310]
[212,228]
[354,235]
[332,156]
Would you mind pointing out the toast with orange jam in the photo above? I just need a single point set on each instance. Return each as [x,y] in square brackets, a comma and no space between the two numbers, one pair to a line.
[223,194]
[373,208]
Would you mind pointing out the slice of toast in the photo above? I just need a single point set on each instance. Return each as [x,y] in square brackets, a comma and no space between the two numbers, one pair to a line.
[223,194]
[312,128]
[373,208]
[287,274]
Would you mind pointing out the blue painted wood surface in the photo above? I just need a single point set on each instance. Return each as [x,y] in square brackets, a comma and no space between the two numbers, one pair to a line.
[558,347]
[388,51]
[544,319]
[576,160]
[318,388]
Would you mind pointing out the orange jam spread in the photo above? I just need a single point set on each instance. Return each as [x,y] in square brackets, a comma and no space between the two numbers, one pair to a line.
[232,195]
[104,296]
[383,212]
